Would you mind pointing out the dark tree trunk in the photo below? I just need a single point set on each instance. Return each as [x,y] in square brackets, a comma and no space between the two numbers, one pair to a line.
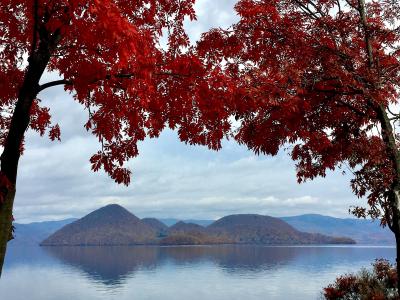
[397,235]
[5,224]
[19,124]
[394,225]
[393,215]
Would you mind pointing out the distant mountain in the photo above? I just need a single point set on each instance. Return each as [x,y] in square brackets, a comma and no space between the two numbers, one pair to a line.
[182,227]
[245,229]
[187,239]
[171,221]
[114,225]
[109,225]
[158,226]
[362,231]
[191,234]
[258,229]
[33,233]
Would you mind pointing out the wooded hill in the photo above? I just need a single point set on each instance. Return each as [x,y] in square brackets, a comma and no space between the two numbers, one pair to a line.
[114,225]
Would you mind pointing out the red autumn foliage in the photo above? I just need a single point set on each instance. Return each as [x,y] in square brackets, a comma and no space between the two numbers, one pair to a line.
[319,78]
[109,56]
[378,284]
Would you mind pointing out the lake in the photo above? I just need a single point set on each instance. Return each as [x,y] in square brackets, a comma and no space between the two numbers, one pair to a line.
[179,273]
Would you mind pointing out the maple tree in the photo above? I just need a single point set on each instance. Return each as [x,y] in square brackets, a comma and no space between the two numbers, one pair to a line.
[109,55]
[321,78]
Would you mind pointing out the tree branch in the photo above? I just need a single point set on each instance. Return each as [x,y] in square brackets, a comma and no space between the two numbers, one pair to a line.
[352,108]
[363,16]
[107,77]
[35,26]
[54,83]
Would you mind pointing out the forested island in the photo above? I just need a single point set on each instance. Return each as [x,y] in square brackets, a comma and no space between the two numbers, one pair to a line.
[113,225]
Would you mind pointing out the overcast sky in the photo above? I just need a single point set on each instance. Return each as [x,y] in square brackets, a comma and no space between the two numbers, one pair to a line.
[170,179]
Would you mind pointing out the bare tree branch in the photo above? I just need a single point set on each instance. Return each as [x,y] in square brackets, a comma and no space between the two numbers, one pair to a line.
[54,83]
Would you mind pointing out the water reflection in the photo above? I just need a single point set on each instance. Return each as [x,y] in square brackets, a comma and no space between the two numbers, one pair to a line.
[31,255]
[113,265]
[178,273]
[109,265]
[232,257]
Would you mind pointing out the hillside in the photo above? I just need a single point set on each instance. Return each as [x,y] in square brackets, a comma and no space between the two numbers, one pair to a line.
[114,225]
[362,231]
[109,225]
[245,229]
[182,227]
[191,234]
[159,227]
[171,221]
[33,233]
[258,229]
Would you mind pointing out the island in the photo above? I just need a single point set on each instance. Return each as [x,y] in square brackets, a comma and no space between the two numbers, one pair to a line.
[113,225]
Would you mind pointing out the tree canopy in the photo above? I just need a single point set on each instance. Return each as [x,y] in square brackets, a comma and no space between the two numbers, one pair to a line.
[110,56]
[322,79]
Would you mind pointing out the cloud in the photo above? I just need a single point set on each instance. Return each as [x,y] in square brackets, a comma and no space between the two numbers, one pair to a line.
[211,14]
[170,179]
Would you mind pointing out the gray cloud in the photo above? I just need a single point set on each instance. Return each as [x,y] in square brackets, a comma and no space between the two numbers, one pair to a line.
[211,14]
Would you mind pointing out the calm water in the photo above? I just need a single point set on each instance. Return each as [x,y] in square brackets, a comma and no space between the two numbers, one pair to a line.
[179,273]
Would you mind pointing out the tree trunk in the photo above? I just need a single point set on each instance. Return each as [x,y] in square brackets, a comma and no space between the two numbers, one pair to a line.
[393,215]
[6,224]
[388,136]
[19,124]
[397,235]
[394,225]
[394,195]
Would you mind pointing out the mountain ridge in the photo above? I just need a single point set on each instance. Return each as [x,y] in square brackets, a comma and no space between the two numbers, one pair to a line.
[114,225]
[109,225]
[364,232]
[259,229]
